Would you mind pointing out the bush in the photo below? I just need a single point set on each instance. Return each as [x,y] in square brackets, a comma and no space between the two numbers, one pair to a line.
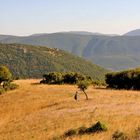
[13,86]
[5,74]
[5,80]
[52,78]
[98,127]
[70,132]
[124,80]
[82,130]
[63,78]
[119,136]
[9,86]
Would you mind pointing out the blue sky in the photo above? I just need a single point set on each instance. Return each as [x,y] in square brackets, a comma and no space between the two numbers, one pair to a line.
[24,17]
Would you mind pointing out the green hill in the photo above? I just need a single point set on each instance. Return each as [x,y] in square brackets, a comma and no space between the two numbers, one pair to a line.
[28,61]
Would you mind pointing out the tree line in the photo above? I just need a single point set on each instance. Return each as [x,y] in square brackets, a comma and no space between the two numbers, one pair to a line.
[64,78]
[129,79]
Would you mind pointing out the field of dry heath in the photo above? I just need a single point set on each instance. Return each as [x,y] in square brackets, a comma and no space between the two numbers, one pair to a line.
[44,112]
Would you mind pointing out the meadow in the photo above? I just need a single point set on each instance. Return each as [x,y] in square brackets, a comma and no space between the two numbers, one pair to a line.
[45,112]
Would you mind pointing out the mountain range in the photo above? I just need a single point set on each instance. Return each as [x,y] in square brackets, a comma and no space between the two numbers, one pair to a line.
[113,52]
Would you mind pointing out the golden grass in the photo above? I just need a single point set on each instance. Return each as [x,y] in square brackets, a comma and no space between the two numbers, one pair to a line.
[41,112]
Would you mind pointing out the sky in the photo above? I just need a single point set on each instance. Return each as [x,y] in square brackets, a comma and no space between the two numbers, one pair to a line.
[25,17]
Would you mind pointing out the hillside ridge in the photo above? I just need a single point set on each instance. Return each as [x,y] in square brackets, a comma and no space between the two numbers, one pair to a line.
[27,61]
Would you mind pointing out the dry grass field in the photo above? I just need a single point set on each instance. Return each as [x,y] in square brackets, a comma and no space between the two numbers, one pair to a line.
[41,112]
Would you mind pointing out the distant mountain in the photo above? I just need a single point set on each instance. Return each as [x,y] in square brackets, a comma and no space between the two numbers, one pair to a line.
[39,34]
[111,52]
[89,33]
[133,33]
[76,33]
[83,33]
[28,61]
[70,32]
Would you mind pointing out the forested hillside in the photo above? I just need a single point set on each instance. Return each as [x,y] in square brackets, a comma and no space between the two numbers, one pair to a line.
[28,61]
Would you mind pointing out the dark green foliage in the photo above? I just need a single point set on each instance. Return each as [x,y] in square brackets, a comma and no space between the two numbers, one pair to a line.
[52,78]
[82,130]
[124,80]
[5,74]
[9,86]
[70,132]
[73,78]
[83,85]
[63,78]
[98,127]
[119,136]
[5,80]
[26,61]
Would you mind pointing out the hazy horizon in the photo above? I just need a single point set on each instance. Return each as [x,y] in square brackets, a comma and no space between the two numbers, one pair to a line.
[29,17]
[63,32]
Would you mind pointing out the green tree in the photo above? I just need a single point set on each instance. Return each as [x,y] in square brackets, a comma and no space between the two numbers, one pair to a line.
[83,85]
[129,79]
[5,74]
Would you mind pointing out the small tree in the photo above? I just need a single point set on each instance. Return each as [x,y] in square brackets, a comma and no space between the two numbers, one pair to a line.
[83,85]
[5,74]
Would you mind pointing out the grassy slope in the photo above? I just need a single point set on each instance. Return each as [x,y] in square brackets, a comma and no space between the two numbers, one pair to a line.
[42,112]
[30,61]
